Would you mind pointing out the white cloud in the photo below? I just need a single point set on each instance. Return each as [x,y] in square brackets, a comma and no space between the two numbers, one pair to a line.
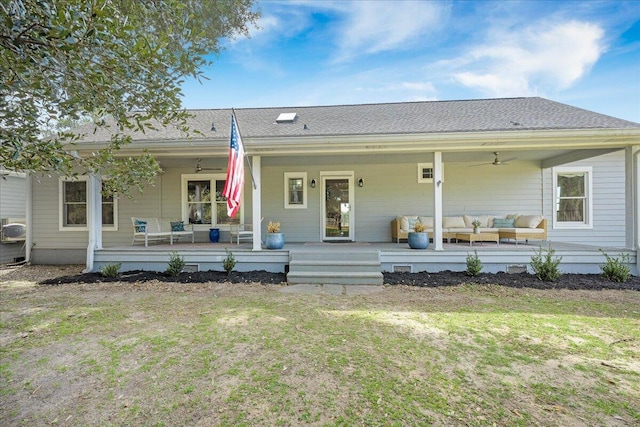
[522,63]
[377,26]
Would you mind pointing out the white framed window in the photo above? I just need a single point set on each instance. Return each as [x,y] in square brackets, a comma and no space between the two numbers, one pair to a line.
[203,203]
[425,172]
[74,206]
[573,204]
[295,190]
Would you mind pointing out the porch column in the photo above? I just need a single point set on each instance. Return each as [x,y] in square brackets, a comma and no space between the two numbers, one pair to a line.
[437,201]
[29,218]
[631,197]
[256,204]
[94,219]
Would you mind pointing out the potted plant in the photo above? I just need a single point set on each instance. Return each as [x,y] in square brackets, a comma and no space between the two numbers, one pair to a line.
[418,238]
[275,239]
[476,226]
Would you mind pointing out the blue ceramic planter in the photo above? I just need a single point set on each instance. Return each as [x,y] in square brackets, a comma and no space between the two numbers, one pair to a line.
[214,235]
[418,240]
[274,240]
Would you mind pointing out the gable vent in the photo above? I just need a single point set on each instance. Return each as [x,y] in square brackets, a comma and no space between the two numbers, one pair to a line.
[286,118]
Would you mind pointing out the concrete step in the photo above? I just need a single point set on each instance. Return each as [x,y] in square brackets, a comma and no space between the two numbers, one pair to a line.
[335,267]
[330,278]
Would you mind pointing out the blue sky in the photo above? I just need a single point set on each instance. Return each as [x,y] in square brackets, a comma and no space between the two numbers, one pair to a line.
[585,54]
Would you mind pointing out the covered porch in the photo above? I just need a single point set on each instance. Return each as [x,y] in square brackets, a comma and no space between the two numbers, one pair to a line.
[392,257]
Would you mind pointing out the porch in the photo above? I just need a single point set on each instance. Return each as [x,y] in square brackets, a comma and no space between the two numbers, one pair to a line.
[505,257]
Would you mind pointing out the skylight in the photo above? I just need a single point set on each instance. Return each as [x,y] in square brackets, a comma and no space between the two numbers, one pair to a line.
[286,118]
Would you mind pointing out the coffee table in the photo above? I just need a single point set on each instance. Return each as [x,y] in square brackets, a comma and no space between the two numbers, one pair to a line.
[479,237]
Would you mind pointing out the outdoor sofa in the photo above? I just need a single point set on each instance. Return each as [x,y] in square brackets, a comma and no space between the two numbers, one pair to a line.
[513,226]
[149,230]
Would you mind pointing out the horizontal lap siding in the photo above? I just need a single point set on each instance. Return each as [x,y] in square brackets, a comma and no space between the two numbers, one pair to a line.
[609,224]
[12,205]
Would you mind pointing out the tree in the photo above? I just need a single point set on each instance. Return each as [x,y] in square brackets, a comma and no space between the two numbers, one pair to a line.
[116,63]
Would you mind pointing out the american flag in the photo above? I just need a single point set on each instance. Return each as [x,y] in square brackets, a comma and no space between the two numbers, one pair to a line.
[235,171]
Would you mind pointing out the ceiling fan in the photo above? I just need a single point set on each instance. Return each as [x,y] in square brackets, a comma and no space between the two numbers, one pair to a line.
[199,167]
[497,161]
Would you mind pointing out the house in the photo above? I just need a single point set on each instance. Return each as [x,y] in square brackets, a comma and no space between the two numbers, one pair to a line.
[342,173]
[13,187]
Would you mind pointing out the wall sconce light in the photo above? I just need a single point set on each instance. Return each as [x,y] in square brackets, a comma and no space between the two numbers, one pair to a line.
[361,182]
[313,183]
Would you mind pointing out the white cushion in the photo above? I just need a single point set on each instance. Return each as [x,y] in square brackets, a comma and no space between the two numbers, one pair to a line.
[484,220]
[528,221]
[426,220]
[453,222]
[408,222]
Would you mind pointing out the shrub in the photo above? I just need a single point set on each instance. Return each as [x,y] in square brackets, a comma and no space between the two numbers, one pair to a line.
[474,265]
[616,269]
[176,264]
[545,267]
[111,270]
[229,263]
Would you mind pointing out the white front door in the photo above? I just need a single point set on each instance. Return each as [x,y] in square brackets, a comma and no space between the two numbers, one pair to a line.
[337,207]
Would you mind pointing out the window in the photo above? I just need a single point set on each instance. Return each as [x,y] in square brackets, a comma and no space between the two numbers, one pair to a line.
[203,202]
[573,197]
[425,172]
[295,190]
[74,210]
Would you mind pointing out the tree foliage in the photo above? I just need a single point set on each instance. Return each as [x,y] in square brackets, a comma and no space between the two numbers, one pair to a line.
[117,63]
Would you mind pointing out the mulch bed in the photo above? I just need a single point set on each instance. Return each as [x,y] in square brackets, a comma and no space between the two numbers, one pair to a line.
[422,279]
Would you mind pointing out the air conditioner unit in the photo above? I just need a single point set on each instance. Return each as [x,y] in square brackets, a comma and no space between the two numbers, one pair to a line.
[13,230]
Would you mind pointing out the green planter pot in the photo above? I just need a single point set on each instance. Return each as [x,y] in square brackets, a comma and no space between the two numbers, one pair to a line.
[418,240]
[274,240]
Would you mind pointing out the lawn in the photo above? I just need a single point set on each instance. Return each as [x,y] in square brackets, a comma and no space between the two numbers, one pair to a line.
[167,354]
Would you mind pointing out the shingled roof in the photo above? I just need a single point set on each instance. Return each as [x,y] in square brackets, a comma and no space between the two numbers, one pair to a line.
[431,117]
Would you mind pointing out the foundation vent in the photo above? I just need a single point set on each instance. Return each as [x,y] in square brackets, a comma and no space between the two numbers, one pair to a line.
[516,268]
[402,269]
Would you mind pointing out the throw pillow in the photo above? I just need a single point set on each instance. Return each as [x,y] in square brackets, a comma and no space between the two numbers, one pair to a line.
[412,223]
[404,222]
[426,220]
[177,225]
[503,223]
[141,226]
[528,221]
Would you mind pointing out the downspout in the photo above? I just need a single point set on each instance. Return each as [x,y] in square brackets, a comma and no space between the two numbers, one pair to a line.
[636,205]
[29,218]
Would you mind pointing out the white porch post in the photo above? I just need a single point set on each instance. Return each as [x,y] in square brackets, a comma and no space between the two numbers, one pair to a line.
[437,201]
[256,204]
[29,218]
[94,219]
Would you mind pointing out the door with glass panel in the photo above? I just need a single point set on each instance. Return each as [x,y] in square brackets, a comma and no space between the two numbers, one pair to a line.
[337,207]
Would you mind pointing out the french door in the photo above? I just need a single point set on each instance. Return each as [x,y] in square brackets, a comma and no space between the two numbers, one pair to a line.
[337,207]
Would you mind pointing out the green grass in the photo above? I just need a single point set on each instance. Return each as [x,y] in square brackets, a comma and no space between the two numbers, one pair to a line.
[235,355]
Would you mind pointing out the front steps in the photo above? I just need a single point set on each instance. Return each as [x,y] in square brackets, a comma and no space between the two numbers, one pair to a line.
[335,267]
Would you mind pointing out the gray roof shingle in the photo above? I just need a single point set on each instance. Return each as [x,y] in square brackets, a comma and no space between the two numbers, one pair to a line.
[482,115]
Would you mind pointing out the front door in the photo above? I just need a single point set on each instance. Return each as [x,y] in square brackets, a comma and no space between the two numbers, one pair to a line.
[337,207]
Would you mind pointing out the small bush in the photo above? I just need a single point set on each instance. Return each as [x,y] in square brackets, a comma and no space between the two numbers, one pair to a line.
[616,269]
[545,267]
[176,264]
[229,263]
[111,270]
[474,265]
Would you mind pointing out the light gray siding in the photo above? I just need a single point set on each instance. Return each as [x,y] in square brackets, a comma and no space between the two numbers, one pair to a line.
[390,189]
[12,205]
[608,203]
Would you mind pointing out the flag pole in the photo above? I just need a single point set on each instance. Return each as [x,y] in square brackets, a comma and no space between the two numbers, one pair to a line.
[246,157]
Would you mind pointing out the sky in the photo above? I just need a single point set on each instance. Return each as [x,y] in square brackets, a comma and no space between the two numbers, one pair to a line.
[323,52]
